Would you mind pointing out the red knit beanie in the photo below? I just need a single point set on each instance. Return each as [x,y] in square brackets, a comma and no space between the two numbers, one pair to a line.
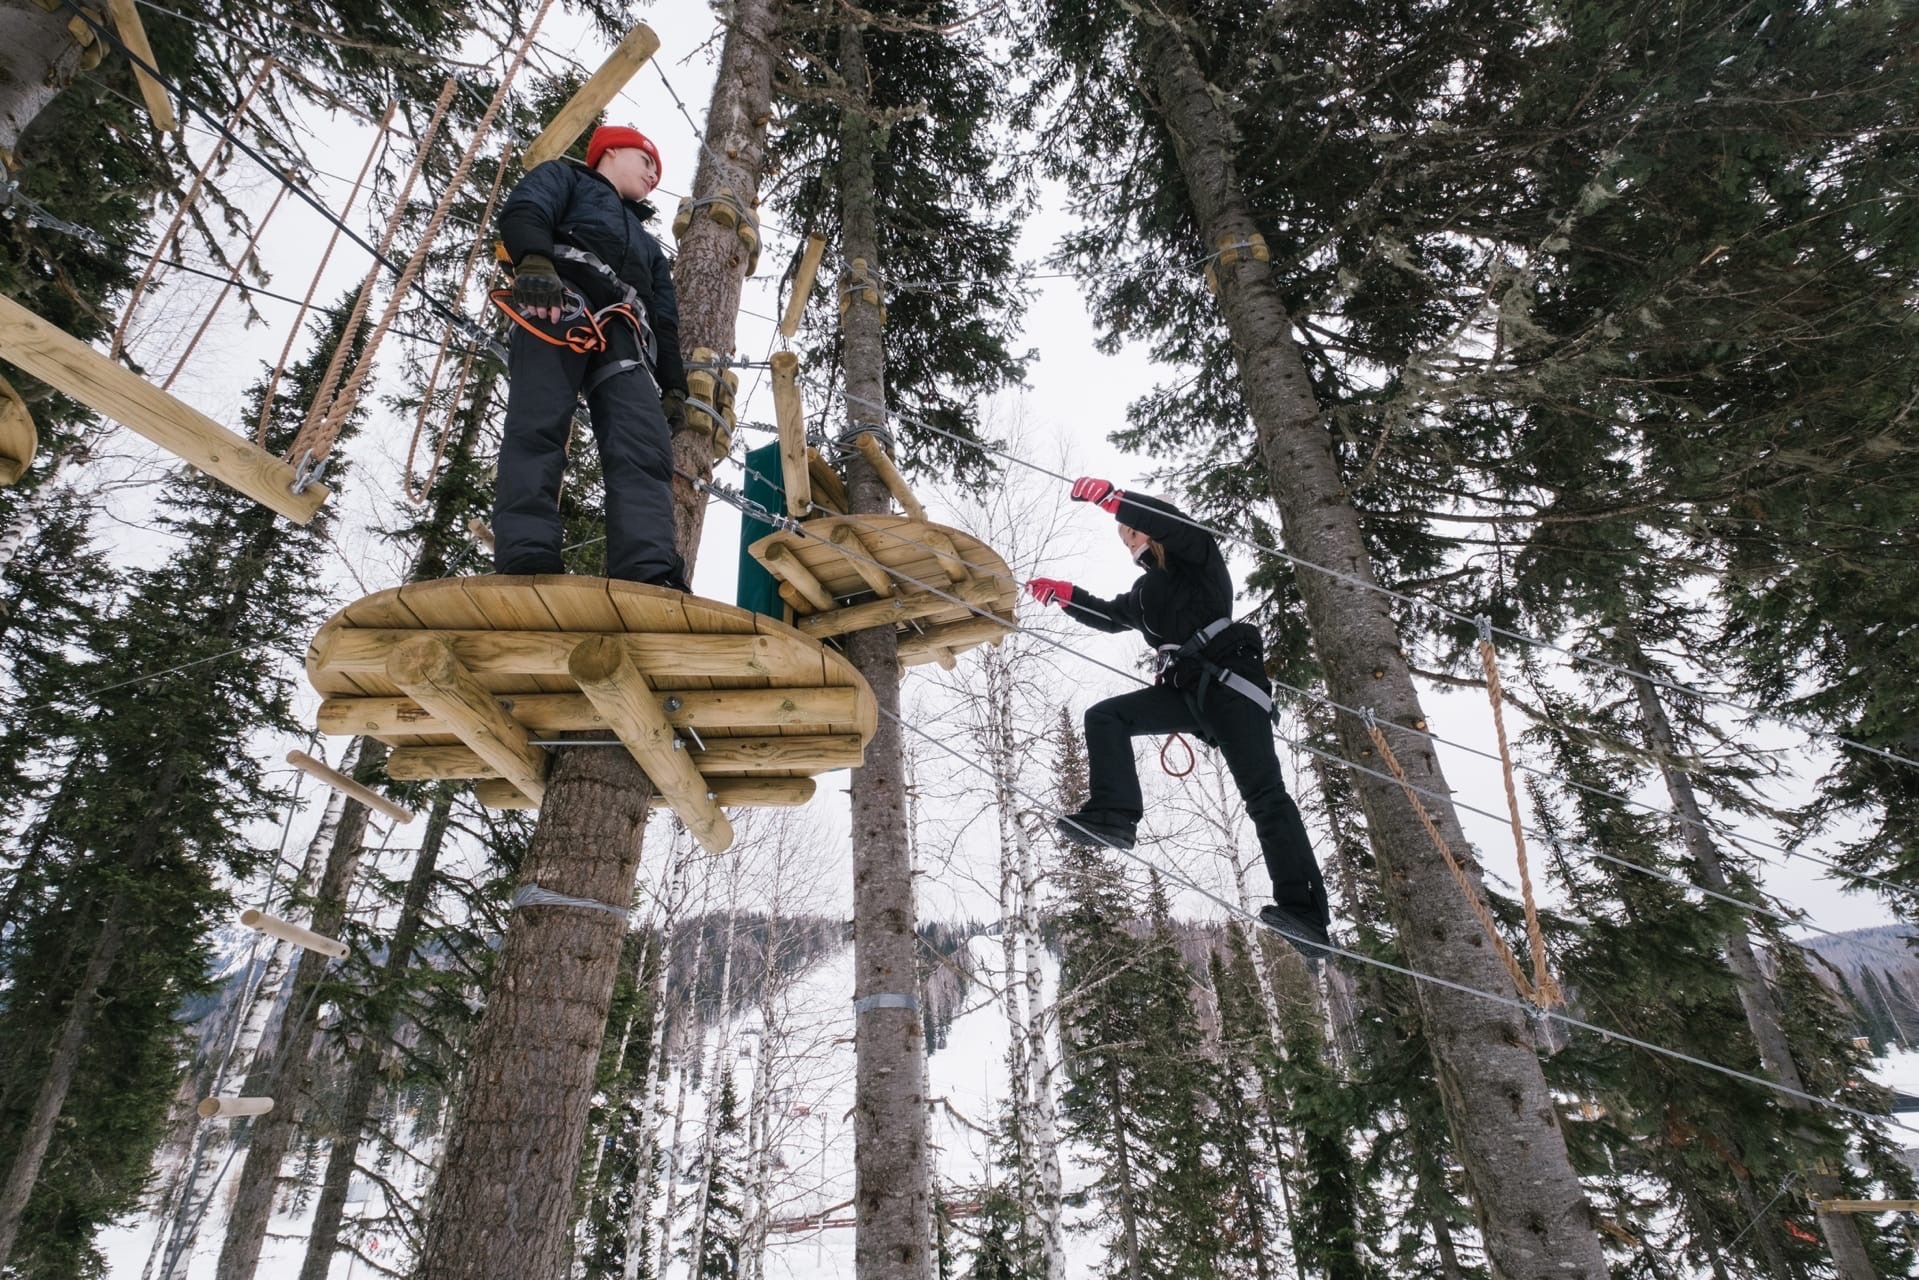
[609,137]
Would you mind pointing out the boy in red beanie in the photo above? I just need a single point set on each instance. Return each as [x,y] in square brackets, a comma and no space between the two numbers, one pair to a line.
[596,315]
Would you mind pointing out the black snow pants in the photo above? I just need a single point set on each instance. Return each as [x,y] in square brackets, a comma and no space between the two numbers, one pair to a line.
[636,456]
[1244,735]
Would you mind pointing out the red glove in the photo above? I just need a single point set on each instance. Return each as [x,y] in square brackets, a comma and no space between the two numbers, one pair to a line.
[1050,590]
[1100,493]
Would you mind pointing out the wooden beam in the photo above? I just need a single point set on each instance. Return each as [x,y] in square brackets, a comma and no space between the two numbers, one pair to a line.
[67,364]
[915,649]
[615,686]
[791,417]
[865,560]
[782,560]
[898,609]
[748,791]
[298,935]
[826,483]
[452,763]
[565,712]
[889,475]
[426,669]
[364,650]
[802,285]
[347,786]
[133,34]
[1866,1206]
[601,88]
[943,551]
[810,753]
[18,439]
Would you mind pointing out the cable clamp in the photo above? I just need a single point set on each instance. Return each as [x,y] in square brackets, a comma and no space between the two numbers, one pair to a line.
[532,895]
[1485,624]
[885,1000]
[308,471]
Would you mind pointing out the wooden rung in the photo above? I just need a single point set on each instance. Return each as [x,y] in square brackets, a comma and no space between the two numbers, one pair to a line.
[802,285]
[482,532]
[427,670]
[69,365]
[364,650]
[566,712]
[783,562]
[133,34]
[810,752]
[601,88]
[18,439]
[623,698]
[347,786]
[865,561]
[942,547]
[750,791]
[224,1108]
[791,417]
[826,483]
[916,649]
[945,657]
[1866,1206]
[889,475]
[298,935]
[899,609]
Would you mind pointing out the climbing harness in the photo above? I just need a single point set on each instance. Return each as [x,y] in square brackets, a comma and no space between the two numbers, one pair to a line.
[1171,656]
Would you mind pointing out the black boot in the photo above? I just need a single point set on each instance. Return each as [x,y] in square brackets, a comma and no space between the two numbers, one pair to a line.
[1306,936]
[1096,829]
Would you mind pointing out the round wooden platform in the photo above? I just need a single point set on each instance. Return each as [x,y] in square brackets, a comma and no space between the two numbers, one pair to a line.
[847,573]
[464,677]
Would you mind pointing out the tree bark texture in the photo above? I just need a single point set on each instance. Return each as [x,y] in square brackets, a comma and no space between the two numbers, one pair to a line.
[38,58]
[1763,1013]
[286,1076]
[504,1207]
[363,1084]
[893,1202]
[710,272]
[1532,1210]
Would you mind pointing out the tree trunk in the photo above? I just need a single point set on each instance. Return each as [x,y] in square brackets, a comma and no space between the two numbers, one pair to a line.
[38,58]
[690,1027]
[1532,1210]
[1123,1165]
[893,1202]
[64,1063]
[654,1082]
[505,1204]
[1763,1014]
[722,1042]
[363,1084]
[286,1076]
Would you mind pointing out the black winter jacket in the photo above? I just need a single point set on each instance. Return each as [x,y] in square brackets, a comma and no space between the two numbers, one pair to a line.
[1168,605]
[564,202]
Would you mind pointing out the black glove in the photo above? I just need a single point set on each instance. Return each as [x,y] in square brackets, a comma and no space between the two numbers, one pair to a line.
[536,285]
[673,403]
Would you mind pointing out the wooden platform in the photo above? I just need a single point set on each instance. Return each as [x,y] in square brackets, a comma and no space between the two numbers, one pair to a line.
[847,573]
[463,676]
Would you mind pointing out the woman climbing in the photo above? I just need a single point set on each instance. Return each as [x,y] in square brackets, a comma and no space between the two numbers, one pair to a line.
[1211,681]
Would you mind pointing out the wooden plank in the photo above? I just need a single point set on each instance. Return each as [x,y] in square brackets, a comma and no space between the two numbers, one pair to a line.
[67,364]
[919,648]
[788,412]
[356,650]
[578,604]
[426,669]
[864,559]
[730,793]
[601,88]
[19,441]
[782,560]
[432,764]
[133,34]
[827,484]
[607,676]
[505,602]
[703,710]
[1866,1206]
[347,786]
[899,609]
[802,289]
[809,754]
[889,475]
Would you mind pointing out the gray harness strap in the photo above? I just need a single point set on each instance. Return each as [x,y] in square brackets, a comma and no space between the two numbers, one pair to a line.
[1169,655]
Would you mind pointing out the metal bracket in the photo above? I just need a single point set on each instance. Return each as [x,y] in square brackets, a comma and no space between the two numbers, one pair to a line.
[886,1000]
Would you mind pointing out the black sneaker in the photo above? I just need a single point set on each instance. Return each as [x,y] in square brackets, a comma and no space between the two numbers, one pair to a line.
[1096,829]
[1305,936]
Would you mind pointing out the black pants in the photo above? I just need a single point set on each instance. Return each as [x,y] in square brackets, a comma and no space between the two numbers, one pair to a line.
[1244,736]
[636,457]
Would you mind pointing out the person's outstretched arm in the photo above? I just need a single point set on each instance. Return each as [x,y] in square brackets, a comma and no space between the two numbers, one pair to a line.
[1083,607]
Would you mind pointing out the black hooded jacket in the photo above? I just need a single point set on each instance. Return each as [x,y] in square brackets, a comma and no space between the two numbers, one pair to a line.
[564,202]
[1167,605]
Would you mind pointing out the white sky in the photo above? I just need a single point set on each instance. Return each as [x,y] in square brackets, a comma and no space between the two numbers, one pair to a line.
[1075,396]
